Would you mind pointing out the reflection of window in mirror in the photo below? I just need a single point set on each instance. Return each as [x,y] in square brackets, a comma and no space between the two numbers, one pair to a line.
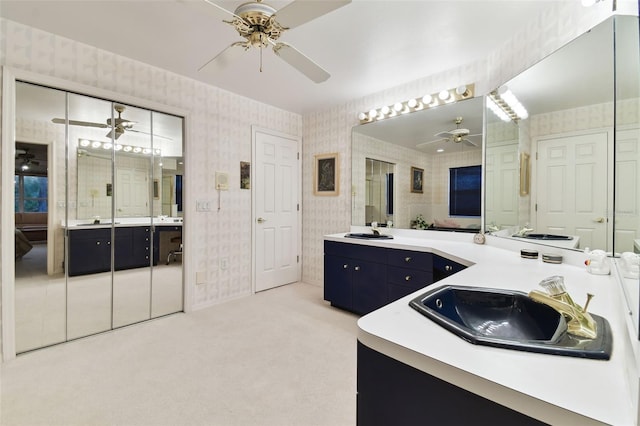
[465,191]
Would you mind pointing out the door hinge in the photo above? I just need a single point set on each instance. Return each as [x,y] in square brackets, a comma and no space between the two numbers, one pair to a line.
[536,206]
[536,155]
[298,259]
[298,207]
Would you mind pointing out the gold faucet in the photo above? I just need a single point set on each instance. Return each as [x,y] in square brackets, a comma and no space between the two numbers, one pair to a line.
[579,322]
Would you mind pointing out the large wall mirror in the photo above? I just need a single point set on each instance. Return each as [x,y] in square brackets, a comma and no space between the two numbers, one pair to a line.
[569,172]
[423,183]
[98,215]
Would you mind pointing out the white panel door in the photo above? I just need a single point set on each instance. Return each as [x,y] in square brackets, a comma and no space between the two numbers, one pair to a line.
[132,192]
[276,211]
[571,193]
[502,188]
[627,215]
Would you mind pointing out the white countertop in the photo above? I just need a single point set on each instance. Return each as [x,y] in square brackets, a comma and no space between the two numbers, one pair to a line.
[122,222]
[555,389]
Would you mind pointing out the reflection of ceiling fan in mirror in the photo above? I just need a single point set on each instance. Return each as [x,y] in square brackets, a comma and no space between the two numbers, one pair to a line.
[25,159]
[456,135]
[118,125]
[261,25]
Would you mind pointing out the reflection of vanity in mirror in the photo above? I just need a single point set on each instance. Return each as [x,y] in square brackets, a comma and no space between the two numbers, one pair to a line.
[415,141]
[582,143]
[583,137]
[113,251]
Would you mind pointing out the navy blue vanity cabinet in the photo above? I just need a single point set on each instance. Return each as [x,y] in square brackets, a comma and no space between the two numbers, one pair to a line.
[89,251]
[408,271]
[355,276]
[390,392]
[132,247]
[156,239]
[443,268]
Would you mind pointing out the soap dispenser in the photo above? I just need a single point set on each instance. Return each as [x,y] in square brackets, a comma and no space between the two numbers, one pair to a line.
[597,262]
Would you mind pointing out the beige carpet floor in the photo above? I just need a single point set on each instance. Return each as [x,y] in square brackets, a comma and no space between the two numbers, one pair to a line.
[280,357]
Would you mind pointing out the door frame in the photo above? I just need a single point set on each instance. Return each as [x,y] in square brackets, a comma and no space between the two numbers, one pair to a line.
[7,221]
[254,130]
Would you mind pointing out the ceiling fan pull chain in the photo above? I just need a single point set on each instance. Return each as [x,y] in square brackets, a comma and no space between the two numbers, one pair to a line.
[260,58]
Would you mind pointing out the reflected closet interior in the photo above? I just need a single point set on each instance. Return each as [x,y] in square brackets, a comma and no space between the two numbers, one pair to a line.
[98,205]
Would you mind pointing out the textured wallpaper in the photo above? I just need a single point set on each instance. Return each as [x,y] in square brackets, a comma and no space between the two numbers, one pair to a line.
[219,124]
[218,137]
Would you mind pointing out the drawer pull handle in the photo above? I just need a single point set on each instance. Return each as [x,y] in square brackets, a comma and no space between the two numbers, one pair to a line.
[345,266]
[407,278]
[97,243]
[407,259]
[448,268]
[357,268]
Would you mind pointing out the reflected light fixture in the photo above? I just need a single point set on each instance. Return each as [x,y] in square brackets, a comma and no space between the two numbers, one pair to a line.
[417,104]
[506,101]
[86,143]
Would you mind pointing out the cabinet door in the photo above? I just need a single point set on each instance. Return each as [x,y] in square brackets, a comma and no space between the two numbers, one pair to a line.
[337,281]
[89,251]
[369,286]
[443,268]
[403,281]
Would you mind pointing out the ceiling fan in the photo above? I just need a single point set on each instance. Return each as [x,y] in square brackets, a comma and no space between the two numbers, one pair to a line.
[25,159]
[261,25]
[456,135]
[117,125]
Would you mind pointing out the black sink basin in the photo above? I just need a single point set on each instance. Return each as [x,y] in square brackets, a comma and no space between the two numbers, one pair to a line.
[511,320]
[371,236]
[545,237]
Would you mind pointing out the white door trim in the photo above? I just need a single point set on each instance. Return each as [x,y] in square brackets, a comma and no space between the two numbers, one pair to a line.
[254,130]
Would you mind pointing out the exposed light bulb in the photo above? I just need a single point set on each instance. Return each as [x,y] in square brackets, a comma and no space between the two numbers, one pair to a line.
[85,142]
[397,107]
[444,95]
[362,116]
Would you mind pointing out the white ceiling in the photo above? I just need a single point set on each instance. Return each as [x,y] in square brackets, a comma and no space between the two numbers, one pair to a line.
[367,46]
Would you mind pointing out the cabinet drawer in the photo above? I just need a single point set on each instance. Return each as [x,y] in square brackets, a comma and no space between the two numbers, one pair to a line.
[406,277]
[411,259]
[356,251]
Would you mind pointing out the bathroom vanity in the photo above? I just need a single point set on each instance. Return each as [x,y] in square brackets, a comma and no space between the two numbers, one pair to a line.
[90,244]
[413,371]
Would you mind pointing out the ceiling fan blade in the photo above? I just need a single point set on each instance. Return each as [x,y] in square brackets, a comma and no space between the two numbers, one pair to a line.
[115,131]
[79,123]
[224,58]
[301,11]
[423,144]
[296,59]
[470,143]
[150,134]
[218,11]
[443,135]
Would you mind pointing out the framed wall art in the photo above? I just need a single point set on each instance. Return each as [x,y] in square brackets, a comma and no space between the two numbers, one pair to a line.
[417,179]
[326,174]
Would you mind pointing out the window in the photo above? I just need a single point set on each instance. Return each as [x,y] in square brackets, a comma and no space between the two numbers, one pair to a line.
[30,193]
[465,191]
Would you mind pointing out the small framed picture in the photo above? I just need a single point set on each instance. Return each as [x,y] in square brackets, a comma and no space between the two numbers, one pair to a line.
[245,175]
[417,179]
[326,174]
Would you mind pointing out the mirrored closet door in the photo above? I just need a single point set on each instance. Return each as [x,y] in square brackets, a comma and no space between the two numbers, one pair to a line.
[111,212]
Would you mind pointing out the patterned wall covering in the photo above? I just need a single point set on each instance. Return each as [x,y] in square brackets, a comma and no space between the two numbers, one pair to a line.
[218,137]
[219,124]
[330,130]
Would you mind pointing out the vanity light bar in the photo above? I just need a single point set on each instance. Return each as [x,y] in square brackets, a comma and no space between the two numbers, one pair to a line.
[417,104]
[507,101]
[86,143]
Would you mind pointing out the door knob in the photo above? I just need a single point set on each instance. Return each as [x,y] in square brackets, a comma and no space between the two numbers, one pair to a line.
[599,219]
[261,220]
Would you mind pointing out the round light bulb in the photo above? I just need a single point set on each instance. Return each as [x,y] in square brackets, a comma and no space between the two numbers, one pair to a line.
[444,95]
[412,103]
[362,116]
[426,100]
[397,107]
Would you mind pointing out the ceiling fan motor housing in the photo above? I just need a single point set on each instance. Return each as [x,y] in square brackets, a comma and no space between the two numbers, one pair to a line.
[258,23]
